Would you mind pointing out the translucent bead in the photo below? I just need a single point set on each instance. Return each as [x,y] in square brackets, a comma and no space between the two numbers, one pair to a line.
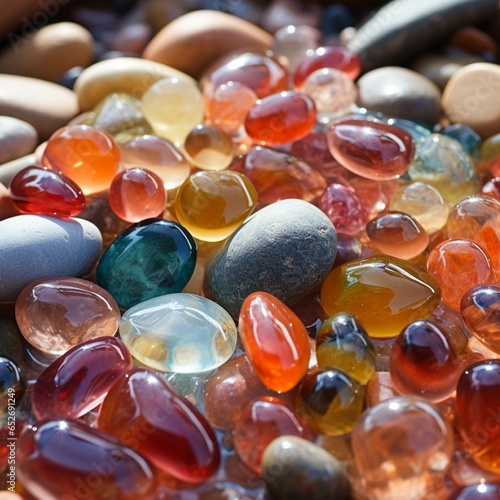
[492,188]
[482,491]
[490,147]
[470,140]
[416,130]
[12,386]
[348,248]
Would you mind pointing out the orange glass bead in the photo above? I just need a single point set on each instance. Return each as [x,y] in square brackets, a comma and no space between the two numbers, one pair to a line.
[275,340]
[87,155]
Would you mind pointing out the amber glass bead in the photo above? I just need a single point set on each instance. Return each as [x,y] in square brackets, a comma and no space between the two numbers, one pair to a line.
[330,401]
[275,341]
[79,380]
[457,265]
[87,155]
[477,412]
[143,412]
[36,190]
[212,205]
[423,363]
[371,149]
[367,289]
[342,343]
[281,118]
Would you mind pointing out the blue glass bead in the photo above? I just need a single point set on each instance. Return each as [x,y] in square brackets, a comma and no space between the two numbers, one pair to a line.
[470,140]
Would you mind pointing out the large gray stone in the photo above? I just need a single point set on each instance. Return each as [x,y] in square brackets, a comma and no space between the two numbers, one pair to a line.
[17,138]
[286,249]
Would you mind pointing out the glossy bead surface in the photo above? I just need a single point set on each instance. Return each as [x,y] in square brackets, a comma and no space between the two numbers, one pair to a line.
[212,205]
[482,491]
[10,380]
[142,411]
[477,412]
[36,190]
[87,155]
[371,149]
[367,289]
[55,314]
[156,256]
[275,341]
[79,380]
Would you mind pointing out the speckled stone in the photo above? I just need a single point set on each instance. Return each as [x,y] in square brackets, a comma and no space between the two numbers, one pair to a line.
[286,249]
[17,138]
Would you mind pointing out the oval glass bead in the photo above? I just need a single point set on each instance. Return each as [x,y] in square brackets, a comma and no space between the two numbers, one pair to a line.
[150,258]
[79,380]
[179,332]
[212,205]
[143,412]
[55,314]
[36,190]
[384,293]
[275,341]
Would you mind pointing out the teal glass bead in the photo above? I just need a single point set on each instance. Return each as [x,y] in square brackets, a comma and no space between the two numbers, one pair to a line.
[470,140]
[416,129]
[150,258]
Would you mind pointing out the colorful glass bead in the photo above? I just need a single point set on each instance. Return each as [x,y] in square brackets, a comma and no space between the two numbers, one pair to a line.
[275,341]
[423,363]
[480,310]
[179,332]
[173,106]
[330,401]
[457,265]
[281,118]
[342,343]
[144,413]
[397,234]
[212,205]
[492,188]
[55,314]
[87,155]
[482,491]
[416,130]
[470,140]
[137,194]
[36,190]
[477,416]
[68,459]
[78,381]
[10,380]
[370,149]
[348,248]
[399,445]
[368,288]
[310,312]
[260,422]
[150,258]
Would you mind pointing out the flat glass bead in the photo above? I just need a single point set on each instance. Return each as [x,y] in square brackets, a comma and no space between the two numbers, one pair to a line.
[36,190]
[330,401]
[383,292]
[150,258]
[281,118]
[78,381]
[342,343]
[275,341]
[179,332]
[212,205]
[146,414]
[56,314]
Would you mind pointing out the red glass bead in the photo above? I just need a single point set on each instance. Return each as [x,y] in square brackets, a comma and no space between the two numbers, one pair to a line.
[79,380]
[143,412]
[281,118]
[37,190]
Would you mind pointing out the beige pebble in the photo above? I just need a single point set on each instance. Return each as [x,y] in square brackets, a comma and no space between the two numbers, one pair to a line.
[17,138]
[472,97]
[193,41]
[121,74]
[11,168]
[45,105]
[7,208]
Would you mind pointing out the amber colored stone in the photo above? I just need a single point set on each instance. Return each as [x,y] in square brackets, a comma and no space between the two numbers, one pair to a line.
[67,459]
[36,190]
[260,422]
[55,314]
[79,380]
[477,412]
[146,414]
[87,155]
[275,341]
[371,149]
[281,118]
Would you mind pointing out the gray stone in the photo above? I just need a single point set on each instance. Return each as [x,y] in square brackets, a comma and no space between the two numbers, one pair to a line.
[400,93]
[295,469]
[38,246]
[17,138]
[286,249]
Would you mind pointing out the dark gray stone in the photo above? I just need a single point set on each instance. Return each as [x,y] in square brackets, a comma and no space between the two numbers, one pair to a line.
[286,249]
[403,28]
